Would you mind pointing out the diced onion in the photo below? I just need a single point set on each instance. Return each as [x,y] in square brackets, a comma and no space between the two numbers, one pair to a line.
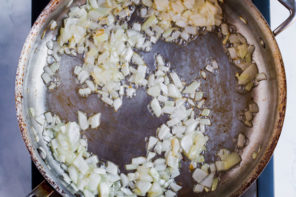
[173,91]
[155,106]
[82,119]
[95,121]
[143,187]
[175,187]
[117,103]
[163,132]
[248,75]
[199,175]
[198,188]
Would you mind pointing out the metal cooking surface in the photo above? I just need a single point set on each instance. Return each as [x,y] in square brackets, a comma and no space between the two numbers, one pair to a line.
[122,134]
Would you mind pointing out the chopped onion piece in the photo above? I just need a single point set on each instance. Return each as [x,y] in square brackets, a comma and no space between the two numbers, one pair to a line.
[241,140]
[205,112]
[208,181]
[198,96]
[203,74]
[170,193]
[131,167]
[224,29]
[83,76]
[143,12]
[210,68]
[152,20]
[73,172]
[40,119]
[82,119]
[161,5]
[155,190]
[81,165]
[54,67]
[117,103]
[155,106]
[248,116]
[231,160]
[154,91]
[212,168]
[158,148]
[173,91]
[198,188]
[137,26]
[176,80]
[162,98]
[223,153]
[199,175]
[219,165]
[253,107]
[130,92]
[142,187]
[137,59]
[160,61]
[107,100]
[168,109]
[261,77]
[48,117]
[190,128]
[215,184]
[232,53]
[104,189]
[205,121]
[163,132]
[52,25]
[186,143]
[173,122]
[151,142]
[84,92]
[248,75]
[138,160]
[215,64]
[178,130]
[77,70]
[184,34]
[200,103]
[175,187]
[95,121]
[46,78]
[151,155]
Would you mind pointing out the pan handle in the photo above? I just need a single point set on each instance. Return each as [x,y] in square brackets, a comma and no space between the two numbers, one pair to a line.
[42,190]
[291,6]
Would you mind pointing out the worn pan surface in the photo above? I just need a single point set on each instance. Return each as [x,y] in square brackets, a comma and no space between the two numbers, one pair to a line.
[122,134]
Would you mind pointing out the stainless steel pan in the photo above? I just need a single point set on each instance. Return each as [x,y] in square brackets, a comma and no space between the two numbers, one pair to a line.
[121,135]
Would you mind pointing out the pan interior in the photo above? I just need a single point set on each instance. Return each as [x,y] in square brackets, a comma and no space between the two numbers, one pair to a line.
[121,135]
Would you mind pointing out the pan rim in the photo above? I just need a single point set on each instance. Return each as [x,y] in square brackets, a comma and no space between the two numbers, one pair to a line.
[254,174]
[22,65]
[281,100]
